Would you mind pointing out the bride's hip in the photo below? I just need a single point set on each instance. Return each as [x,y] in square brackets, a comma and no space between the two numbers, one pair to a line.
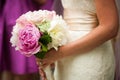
[100,56]
[105,50]
[79,34]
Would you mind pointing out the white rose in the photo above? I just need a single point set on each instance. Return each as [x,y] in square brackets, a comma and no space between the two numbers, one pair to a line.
[59,32]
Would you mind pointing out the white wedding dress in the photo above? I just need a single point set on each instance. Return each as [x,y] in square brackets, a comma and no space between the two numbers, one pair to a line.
[97,64]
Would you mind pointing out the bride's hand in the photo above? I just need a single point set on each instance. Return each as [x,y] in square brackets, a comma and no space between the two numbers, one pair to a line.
[50,57]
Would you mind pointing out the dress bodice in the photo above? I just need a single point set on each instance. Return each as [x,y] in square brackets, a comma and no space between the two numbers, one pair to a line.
[80,13]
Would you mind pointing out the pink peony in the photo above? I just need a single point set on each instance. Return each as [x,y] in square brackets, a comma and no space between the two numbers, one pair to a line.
[28,40]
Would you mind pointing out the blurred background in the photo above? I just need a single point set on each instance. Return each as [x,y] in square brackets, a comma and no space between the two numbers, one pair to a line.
[15,66]
[117,47]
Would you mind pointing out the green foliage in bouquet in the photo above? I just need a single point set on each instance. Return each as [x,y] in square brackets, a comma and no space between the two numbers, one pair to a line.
[44,26]
[44,40]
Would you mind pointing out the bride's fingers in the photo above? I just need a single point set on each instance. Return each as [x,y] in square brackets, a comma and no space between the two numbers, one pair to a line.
[45,65]
[45,61]
[38,59]
[37,63]
[42,74]
[41,71]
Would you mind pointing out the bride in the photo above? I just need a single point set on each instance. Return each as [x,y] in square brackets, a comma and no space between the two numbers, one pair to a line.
[89,54]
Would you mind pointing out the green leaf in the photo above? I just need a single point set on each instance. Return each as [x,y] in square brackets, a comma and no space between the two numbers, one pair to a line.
[44,48]
[41,54]
[44,26]
[45,39]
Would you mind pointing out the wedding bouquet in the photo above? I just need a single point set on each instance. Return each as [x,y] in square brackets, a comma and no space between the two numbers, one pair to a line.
[37,32]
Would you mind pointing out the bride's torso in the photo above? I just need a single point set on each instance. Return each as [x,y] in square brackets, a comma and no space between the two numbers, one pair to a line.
[80,14]
[97,64]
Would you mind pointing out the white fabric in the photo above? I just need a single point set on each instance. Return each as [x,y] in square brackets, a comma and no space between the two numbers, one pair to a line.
[97,64]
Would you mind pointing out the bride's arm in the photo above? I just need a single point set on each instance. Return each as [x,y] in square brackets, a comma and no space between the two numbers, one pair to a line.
[107,29]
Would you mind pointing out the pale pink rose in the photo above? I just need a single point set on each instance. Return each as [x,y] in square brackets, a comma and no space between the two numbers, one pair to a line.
[39,16]
[36,17]
[49,15]
[22,20]
[28,40]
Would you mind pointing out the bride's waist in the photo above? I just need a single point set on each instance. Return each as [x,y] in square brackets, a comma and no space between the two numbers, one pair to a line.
[81,26]
[74,24]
